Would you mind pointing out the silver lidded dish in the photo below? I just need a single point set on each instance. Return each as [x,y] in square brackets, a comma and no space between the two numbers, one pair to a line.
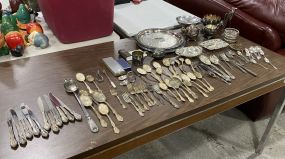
[152,39]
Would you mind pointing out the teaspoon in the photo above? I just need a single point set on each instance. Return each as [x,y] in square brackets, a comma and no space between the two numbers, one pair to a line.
[104,110]
[87,102]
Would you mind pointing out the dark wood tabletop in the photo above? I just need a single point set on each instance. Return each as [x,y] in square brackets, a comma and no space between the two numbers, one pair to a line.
[25,79]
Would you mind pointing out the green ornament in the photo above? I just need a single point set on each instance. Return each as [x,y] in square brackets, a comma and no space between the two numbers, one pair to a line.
[13,18]
[4,51]
[23,14]
[7,25]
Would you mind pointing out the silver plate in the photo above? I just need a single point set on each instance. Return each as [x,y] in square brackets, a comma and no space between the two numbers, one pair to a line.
[152,39]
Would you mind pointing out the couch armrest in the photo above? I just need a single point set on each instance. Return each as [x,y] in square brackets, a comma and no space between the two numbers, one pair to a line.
[249,27]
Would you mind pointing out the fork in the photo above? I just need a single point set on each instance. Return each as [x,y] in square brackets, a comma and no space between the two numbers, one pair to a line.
[157,90]
[128,100]
[115,93]
[141,89]
[138,102]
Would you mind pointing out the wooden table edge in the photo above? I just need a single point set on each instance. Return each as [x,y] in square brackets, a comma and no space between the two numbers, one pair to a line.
[184,120]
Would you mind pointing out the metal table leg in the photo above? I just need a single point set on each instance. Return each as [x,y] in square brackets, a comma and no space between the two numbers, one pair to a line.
[277,111]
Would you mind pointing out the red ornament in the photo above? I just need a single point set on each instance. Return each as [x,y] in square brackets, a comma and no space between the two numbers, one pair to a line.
[14,39]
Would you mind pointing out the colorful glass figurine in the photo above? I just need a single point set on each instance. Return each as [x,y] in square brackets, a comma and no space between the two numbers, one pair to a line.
[3,48]
[7,24]
[15,42]
[23,16]
[38,39]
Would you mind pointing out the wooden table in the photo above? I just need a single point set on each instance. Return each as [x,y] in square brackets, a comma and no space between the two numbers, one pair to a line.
[26,79]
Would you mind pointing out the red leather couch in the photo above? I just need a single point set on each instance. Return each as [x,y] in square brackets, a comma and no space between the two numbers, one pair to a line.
[261,21]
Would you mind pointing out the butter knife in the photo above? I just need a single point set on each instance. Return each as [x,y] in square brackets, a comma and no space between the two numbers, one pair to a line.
[44,133]
[24,123]
[21,136]
[41,106]
[50,116]
[35,129]
[53,111]
[76,115]
[65,116]
[13,141]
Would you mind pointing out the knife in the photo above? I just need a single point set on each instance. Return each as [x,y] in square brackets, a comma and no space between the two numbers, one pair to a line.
[53,111]
[21,136]
[35,129]
[44,133]
[76,115]
[13,141]
[41,106]
[56,104]
[50,116]
[23,121]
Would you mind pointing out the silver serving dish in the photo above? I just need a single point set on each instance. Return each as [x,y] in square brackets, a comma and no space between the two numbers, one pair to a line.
[152,39]
[191,51]
[188,20]
[214,44]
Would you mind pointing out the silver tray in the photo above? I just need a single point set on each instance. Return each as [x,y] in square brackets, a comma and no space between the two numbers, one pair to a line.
[152,39]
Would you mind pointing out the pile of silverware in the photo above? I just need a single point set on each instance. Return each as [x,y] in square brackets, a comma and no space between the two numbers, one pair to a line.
[23,124]
[95,99]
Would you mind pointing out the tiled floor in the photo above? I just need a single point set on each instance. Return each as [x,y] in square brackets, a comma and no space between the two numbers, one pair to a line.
[229,135]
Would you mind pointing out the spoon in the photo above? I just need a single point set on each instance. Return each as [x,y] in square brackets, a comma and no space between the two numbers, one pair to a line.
[71,87]
[156,64]
[87,102]
[91,79]
[215,60]
[158,91]
[164,86]
[104,110]
[81,78]
[207,61]
[101,98]
[186,78]
[189,84]
[199,76]
[176,83]
[171,85]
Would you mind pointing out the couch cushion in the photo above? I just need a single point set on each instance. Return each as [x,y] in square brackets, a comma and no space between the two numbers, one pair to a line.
[271,12]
